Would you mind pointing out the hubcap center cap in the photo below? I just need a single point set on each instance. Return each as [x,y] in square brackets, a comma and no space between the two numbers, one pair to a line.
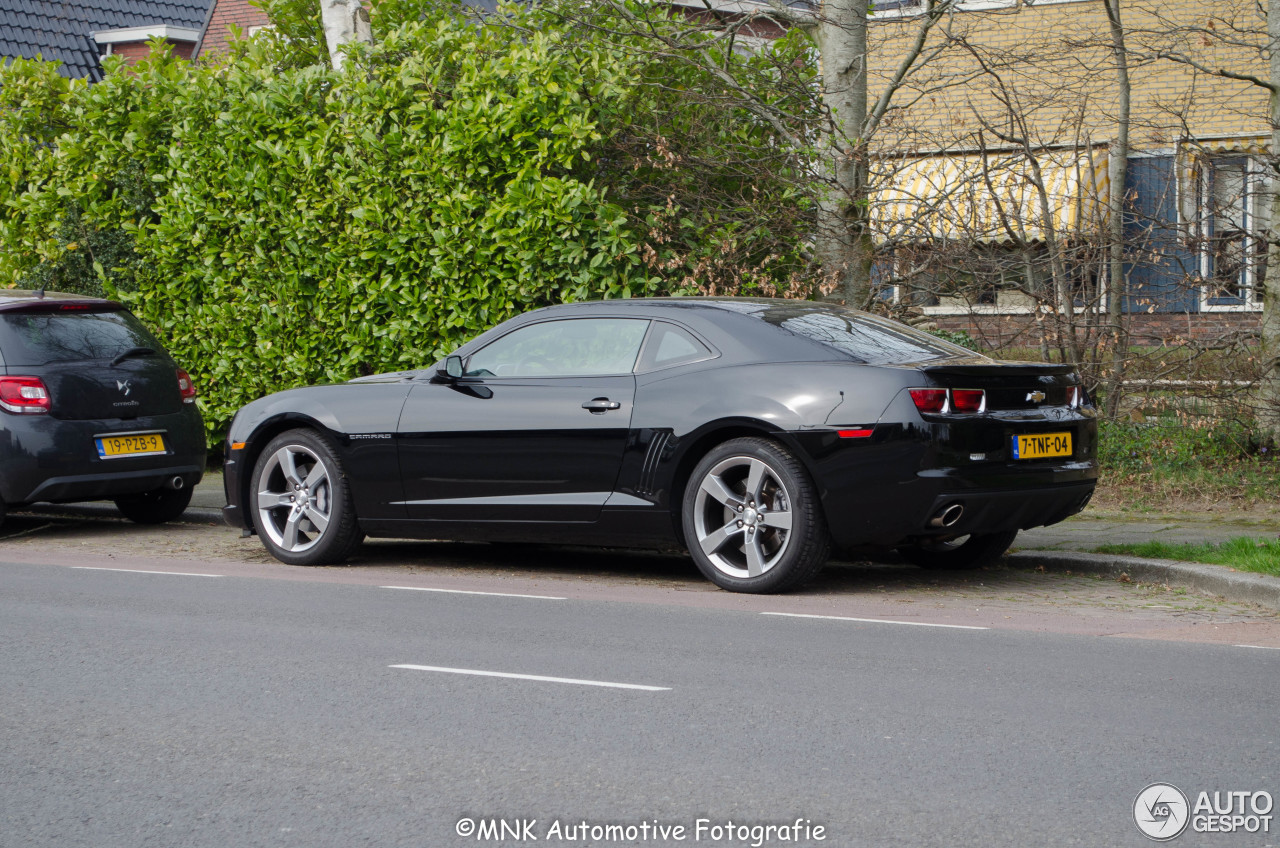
[750,517]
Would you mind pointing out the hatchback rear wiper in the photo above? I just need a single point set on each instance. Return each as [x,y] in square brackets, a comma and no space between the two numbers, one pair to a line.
[132,352]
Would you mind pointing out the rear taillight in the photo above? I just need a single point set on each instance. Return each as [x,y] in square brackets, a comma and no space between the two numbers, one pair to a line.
[968,400]
[1077,397]
[24,395]
[929,400]
[947,401]
[185,387]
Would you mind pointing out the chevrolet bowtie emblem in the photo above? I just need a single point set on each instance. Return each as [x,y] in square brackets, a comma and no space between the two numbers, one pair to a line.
[1036,397]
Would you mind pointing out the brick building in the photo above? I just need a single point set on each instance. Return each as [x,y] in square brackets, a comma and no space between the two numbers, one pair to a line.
[226,17]
[78,33]
[999,156]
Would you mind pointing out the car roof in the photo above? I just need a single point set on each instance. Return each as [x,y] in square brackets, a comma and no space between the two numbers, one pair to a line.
[24,299]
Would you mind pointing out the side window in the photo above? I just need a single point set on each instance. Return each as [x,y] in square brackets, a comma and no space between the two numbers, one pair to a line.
[670,345]
[573,347]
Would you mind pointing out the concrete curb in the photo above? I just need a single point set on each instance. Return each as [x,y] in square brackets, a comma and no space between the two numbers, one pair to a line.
[1238,586]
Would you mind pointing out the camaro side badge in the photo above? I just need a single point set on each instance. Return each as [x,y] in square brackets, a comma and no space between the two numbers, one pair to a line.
[1036,397]
[123,385]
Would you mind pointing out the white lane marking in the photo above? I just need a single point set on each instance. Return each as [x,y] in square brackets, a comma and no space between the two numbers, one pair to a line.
[537,677]
[465,592]
[1259,647]
[138,571]
[878,621]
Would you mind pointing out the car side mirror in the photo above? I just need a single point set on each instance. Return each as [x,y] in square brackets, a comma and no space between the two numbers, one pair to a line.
[452,370]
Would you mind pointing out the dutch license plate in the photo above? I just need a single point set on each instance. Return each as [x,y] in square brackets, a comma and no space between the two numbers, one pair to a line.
[1042,445]
[147,444]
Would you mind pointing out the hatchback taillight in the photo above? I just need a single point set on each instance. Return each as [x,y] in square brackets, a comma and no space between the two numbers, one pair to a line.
[946,401]
[186,387]
[24,395]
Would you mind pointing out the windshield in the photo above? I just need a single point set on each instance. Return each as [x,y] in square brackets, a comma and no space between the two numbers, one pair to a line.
[41,338]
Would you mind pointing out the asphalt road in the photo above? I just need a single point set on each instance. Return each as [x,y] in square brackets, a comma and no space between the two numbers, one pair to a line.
[172,709]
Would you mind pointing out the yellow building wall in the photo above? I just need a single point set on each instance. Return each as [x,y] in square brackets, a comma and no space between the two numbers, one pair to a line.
[1046,73]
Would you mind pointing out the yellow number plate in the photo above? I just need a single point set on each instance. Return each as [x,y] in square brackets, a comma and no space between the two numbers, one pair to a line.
[110,447]
[1043,445]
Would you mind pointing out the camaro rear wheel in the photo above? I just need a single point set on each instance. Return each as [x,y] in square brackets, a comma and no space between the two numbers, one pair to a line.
[752,520]
[300,501]
[156,506]
[972,551]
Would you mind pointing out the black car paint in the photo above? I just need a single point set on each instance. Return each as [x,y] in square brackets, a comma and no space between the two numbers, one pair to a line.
[53,457]
[538,465]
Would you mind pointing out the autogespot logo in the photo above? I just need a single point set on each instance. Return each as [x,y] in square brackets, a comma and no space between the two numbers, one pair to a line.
[1161,812]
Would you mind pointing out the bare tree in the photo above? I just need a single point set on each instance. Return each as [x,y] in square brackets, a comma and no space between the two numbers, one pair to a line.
[1118,163]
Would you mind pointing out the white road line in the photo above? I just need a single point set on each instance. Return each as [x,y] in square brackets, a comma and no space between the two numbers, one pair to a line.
[537,677]
[465,592]
[1259,647]
[878,621]
[137,571]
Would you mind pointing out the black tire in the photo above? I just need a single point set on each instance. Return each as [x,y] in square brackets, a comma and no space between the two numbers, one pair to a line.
[156,506]
[732,531]
[974,551]
[313,518]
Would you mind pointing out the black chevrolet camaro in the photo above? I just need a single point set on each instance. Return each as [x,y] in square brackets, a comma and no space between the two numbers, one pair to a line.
[758,434]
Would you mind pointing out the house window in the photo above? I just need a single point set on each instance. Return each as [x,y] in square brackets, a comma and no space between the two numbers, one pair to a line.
[978,5]
[881,9]
[885,9]
[1232,211]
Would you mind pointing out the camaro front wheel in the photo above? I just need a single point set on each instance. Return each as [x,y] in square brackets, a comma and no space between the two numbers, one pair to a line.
[300,502]
[973,551]
[751,518]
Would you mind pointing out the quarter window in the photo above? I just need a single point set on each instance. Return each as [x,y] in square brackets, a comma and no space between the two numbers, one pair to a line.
[669,345]
[575,347]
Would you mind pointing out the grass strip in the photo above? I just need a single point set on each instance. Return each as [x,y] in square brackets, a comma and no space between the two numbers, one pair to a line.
[1244,553]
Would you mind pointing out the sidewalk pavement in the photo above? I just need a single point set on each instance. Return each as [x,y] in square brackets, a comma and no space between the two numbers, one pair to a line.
[1063,547]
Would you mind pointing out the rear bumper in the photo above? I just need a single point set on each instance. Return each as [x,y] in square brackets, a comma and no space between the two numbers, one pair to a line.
[53,460]
[883,493]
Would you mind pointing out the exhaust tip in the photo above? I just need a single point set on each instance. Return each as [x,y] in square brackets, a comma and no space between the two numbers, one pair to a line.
[947,516]
[177,484]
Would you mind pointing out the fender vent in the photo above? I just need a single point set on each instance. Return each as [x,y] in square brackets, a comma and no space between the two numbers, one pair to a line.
[652,458]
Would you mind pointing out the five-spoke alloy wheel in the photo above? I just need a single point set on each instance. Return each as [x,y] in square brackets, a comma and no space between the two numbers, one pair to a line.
[301,506]
[751,518]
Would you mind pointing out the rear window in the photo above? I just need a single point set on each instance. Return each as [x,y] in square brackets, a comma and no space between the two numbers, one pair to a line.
[42,338]
[865,337]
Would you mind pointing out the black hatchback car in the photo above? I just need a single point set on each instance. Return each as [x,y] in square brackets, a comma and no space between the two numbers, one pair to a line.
[93,408]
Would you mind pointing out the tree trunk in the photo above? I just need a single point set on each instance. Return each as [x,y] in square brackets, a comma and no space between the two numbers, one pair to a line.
[1269,388]
[1118,166]
[344,21]
[843,240]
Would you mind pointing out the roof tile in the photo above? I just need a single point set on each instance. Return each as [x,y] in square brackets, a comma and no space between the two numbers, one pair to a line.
[62,29]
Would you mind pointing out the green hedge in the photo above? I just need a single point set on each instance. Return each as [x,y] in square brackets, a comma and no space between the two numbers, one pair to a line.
[279,224]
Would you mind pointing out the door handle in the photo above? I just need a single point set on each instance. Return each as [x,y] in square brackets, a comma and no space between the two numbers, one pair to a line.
[599,406]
